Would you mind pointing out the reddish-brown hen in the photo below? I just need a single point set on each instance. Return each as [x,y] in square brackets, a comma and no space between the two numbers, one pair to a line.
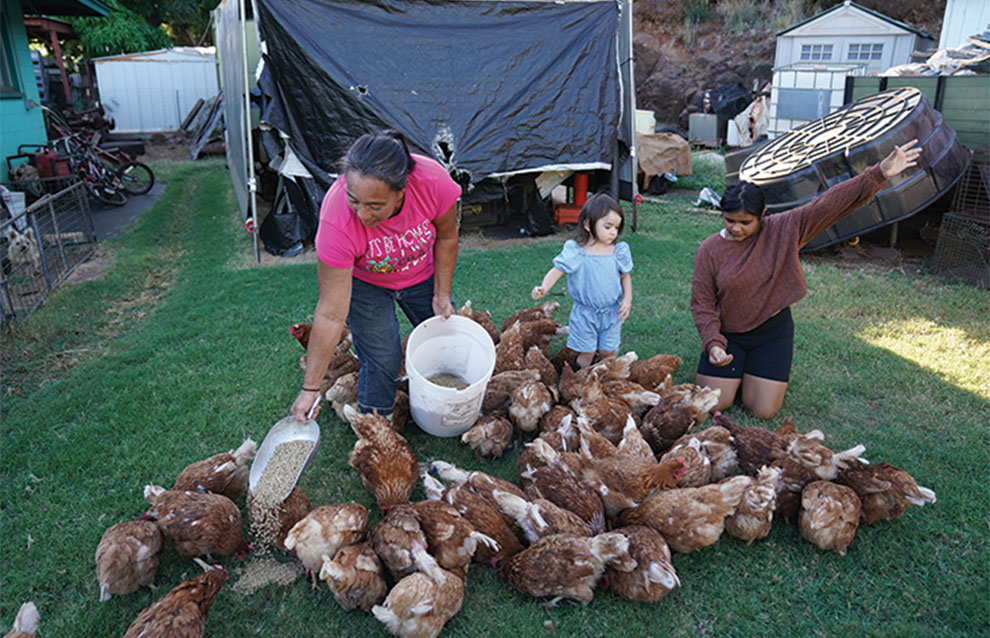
[354,575]
[540,517]
[197,523]
[655,372]
[510,354]
[450,537]
[421,604]
[755,446]
[225,473]
[400,542]
[536,360]
[26,622]
[182,612]
[325,530]
[716,444]
[754,516]
[543,311]
[829,515]
[606,415]
[482,317]
[654,575]
[885,491]
[489,437]
[500,387]
[527,403]
[383,459]
[127,557]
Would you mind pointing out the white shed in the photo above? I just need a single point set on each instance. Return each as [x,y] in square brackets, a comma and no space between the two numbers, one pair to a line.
[155,90]
[962,19]
[851,33]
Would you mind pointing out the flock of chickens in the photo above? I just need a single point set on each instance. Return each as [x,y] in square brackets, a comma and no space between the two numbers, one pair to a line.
[618,474]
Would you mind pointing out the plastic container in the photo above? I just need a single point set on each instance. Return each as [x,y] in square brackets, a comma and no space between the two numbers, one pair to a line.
[457,346]
[646,121]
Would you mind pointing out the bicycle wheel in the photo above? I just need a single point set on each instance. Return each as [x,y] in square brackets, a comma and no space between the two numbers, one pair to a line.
[106,195]
[137,178]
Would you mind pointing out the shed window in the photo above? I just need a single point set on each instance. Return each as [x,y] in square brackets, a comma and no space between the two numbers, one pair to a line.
[863,51]
[816,51]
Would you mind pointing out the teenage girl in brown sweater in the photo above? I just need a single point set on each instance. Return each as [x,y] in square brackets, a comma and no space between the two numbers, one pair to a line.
[747,276]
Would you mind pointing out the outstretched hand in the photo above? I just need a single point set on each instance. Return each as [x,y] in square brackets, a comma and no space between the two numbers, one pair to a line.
[901,158]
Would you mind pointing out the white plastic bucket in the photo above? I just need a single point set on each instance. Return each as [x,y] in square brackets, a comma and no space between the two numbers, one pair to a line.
[457,346]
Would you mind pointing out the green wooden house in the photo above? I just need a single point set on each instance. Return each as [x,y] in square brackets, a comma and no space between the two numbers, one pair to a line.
[21,120]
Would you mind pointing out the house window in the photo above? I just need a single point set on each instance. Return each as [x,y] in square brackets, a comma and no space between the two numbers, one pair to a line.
[863,51]
[816,51]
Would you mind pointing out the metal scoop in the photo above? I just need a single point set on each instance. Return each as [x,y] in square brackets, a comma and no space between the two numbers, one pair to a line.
[285,431]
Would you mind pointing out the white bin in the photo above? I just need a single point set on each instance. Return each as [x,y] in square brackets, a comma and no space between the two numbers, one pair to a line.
[457,346]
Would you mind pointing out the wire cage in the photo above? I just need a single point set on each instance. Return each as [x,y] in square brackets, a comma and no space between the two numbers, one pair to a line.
[962,252]
[40,247]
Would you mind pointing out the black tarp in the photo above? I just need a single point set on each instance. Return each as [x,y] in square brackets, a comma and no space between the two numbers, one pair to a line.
[484,87]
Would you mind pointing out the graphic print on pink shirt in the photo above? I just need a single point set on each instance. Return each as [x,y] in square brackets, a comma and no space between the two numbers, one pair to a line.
[399,252]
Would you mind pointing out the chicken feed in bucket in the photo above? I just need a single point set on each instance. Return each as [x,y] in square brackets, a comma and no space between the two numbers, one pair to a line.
[448,351]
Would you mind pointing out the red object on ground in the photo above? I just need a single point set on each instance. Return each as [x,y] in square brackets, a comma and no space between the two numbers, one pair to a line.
[580,189]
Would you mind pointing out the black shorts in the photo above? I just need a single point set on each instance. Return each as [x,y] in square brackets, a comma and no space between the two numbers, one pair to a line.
[766,351]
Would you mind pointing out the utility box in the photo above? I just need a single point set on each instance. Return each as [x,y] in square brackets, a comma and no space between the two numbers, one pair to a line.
[703,127]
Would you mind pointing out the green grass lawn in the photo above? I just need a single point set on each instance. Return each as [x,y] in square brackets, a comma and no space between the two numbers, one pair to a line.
[179,352]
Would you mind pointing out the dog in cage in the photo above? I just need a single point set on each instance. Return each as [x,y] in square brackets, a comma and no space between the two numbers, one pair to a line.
[22,250]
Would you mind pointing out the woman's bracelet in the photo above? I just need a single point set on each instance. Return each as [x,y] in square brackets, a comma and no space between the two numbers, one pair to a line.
[305,389]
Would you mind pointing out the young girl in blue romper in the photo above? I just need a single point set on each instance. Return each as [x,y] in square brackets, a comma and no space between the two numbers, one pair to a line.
[598,280]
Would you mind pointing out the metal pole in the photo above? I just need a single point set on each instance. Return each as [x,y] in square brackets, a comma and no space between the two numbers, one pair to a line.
[251,184]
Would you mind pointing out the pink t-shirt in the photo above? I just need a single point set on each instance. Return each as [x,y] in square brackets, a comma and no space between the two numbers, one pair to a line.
[398,252]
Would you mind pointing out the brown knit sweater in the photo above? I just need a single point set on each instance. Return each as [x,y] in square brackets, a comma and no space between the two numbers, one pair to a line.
[737,285]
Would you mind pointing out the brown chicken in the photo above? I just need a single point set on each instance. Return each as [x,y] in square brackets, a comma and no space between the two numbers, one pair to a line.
[692,517]
[818,459]
[289,512]
[197,523]
[325,530]
[540,333]
[510,354]
[654,575]
[343,392]
[754,516]
[655,372]
[885,491]
[567,566]
[483,515]
[500,387]
[398,539]
[540,517]
[301,332]
[421,604]
[638,398]
[354,575]
[182,612]
[489,437]
[755,446]
[716,444]
[478,482]
[569,384]
[793,477]
[623,481]
[633,444]
[680,410]
[556,482]
[127,557]
[536,360]
[565,356]
[482,317]
[829,515]
[383,459]
[552,420]
[543,311]
[26,622]
[697,466]
[527,403]
[225,473]
[450,537]
[606,415]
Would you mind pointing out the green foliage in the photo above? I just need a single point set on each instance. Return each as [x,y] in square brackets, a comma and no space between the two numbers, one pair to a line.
[122,31]
[696,12]
[707,169]
[179,352]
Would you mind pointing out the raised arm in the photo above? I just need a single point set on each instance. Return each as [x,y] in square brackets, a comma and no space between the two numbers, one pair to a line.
[901,158]
[549,280]
[444,260]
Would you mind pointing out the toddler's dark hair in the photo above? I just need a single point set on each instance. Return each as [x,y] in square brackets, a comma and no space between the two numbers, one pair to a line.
[743,196]
[383,155]
[598,205]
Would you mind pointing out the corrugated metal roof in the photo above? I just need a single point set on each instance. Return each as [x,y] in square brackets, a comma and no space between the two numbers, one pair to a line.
[65,8]
[849,3]
[189,54]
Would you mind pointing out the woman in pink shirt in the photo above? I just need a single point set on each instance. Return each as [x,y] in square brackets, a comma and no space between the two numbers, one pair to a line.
[387,235]
[747,276]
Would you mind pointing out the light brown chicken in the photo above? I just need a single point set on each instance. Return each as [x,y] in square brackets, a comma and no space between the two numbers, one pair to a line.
[127,557]
[884,490]
[354,575]
[540,333]
[400,542]
[754,516]
[182,612]
[225,473]
[543,311]
[654,575]
[680,410]
[692,517]
[818,459]
[536,360]
[289,512]
[483,515]
[638,398]
[301,332]
[829,515]
[654,372]
[343,392]
[450,537]
[325,530]
[569,384]
[197,523]
[527,403]
[552,420]
[697,467]
[606,415]
[489,437]
[510,353]
[26,623]
[716,444]
[793,477]
[610,368]
[564,356]
[540,517]
[633,443]
[623,481]
[400,414]
[556,482]
[475,480]
[755,446]
[421,604]
[567,566]
[500,387]
[482,317]
[383,459]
